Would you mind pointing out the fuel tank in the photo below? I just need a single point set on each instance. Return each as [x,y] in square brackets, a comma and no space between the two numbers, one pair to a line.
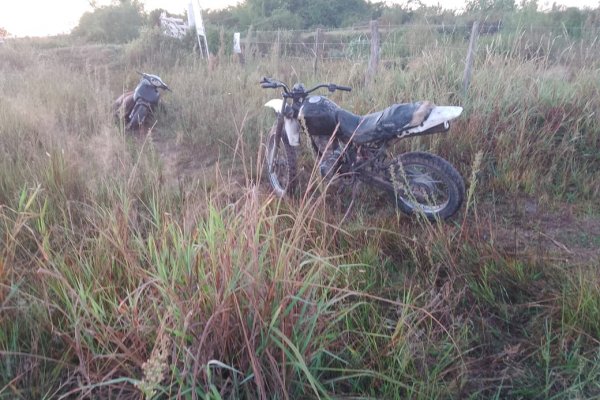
[318,116]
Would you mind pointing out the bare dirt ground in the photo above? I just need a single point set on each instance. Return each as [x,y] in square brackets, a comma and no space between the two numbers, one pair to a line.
[525,227]
[182,161]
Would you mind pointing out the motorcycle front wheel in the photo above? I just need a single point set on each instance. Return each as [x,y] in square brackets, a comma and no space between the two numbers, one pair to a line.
[281,163]
[426,184]
[138,117]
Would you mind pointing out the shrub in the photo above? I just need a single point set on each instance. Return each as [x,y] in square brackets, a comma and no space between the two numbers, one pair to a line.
[154,46]
[111,24]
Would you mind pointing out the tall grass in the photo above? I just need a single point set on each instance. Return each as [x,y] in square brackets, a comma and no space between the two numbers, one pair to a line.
[119,280]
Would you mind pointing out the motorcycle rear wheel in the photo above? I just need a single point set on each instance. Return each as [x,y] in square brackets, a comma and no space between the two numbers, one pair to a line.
[281,163]
[426,184]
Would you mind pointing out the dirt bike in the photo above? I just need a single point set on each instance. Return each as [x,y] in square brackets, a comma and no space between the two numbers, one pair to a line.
[359,148]
[132,108]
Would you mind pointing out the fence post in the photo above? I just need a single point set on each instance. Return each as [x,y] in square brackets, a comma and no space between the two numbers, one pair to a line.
[250,50]
[277,48]
[470,57]
[317,50]
[374,57]
[221,51]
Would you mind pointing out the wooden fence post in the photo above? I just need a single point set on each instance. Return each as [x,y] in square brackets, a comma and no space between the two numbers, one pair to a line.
[250,50]
[470,57]
[375,48]
[276,48]
[317,50]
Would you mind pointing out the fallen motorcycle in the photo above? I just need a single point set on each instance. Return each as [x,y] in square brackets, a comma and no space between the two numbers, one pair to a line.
[133,108]
[358,148]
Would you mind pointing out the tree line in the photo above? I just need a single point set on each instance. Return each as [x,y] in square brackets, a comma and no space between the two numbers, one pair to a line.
[124,20]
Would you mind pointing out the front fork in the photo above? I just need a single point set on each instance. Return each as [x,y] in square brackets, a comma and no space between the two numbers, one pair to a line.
[279,126]
[286,119]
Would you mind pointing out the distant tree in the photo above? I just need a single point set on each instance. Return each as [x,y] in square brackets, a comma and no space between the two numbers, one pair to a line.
[3,32]
[291,14]
[264,8]
[490,5]
[529,5]
[397,14]
[154,16]
[571,20]
[331,13]
[112,24]
[225,17]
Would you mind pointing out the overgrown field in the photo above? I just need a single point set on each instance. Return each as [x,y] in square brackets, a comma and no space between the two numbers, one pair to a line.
[161,266]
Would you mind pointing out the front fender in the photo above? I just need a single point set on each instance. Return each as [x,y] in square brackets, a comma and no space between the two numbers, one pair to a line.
[292,127]
[275,104]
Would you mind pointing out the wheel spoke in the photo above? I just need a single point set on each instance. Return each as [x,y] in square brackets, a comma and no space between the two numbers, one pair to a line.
[423,183]
[424,189]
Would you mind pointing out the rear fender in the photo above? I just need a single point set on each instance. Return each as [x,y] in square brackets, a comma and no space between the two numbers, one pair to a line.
[439,117]
[123,106]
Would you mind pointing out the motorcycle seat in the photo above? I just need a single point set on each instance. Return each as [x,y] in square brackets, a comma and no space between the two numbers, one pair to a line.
[383,124]
[352,126]
[123,105]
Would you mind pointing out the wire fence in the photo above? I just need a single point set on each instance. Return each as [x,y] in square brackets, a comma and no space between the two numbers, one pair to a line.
[399,42]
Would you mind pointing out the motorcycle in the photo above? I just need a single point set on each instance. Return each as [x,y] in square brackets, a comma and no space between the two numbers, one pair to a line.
[133,107]
[359,148]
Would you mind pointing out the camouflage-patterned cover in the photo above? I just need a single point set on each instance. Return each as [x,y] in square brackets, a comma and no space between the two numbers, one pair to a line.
[385,124]
[399,117]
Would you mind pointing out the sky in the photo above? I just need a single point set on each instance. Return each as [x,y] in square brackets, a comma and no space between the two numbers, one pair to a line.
[51,17]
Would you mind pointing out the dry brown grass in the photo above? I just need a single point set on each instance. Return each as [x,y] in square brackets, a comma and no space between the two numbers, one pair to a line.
[162,266]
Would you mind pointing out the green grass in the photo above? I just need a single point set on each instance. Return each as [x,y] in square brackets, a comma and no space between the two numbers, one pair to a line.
[124,276]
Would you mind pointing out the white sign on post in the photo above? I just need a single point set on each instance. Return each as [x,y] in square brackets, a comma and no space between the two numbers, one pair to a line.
[195,19]
[190,14]
[237,47]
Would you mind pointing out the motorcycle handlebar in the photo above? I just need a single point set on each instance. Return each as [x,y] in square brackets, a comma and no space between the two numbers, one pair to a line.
[270,83]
